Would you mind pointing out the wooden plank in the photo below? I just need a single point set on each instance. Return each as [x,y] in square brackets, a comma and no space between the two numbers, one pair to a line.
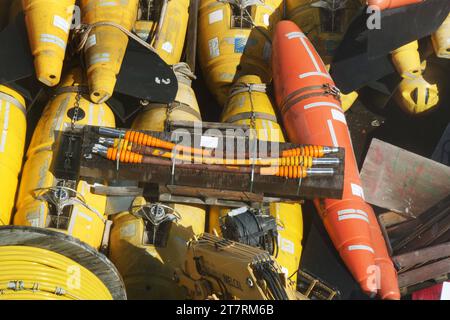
[390,218]
[402,181]
[428,272]
[413,258]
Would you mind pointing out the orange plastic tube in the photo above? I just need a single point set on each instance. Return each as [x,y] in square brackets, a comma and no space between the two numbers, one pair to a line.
[312,115]
[390,4]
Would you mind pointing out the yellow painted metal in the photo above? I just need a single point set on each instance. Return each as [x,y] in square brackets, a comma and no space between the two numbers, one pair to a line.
[48,24]
[83,223]
[416,95]
[289,216]
[406,60]
[169,42]
[147,270]
[106,45]
[46,275]
[13,126]
[227,50]
[441,39]
[315,21]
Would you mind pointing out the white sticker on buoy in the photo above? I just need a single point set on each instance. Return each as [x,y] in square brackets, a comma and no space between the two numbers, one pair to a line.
[209,142]
[91,41]
[286,245]
[266,19]
[357,190]
[61,23]
[215,16]
[49,38]
[445,293]
[167,46]
[338,115]
[214,50]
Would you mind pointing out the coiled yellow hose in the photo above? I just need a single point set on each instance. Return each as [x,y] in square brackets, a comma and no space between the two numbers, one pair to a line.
[33,274]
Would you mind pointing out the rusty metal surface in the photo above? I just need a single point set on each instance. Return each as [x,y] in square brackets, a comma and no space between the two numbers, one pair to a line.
[401,181]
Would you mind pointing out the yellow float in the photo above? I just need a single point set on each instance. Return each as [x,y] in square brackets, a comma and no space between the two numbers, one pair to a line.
[440,39]
[39,189]
[106,44]
[13,125]
[164,26]
[48,24]
[231,44]
[247,97]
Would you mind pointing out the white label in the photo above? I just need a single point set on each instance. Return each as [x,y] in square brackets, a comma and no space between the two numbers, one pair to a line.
[266,19]
[45,37]
[287,245]
[61,23]
[445,293]
[167,46]
[90,42]
[285,271]
[214,48]
[215,16]
[209,142]
[338,115]
[357,190]
[237,211]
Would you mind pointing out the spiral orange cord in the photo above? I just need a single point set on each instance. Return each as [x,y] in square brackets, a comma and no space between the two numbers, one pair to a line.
[304,161]
[310,151]
[124,156]
[285,171]
[148,140]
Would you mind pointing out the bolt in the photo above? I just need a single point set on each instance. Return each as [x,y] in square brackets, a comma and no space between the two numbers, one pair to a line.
[250,282]
[375,123]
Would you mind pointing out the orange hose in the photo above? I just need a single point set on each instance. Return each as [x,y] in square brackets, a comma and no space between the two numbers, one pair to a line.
[148,140]
[285,171]
[309,151]
[124,156]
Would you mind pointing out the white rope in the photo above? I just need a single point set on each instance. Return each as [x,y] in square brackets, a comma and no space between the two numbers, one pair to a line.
[85,29]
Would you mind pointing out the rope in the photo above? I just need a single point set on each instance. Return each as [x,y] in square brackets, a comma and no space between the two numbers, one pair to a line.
[183,72]
[84,31]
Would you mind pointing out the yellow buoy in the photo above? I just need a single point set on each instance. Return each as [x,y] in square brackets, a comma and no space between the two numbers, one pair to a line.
[48,24]
[231,44]
[324,26]
[167,29]
[83,217]
[106,45]
[406,60]
[13,127]
[147,269]
[241,104]
[441,39]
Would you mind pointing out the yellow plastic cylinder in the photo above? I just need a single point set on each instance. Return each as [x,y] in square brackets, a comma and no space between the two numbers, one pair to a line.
[83,223]
[416,95]
[406,60]
[169,42]
[13,127]
[106,45]
[307,15]
[48,24]
[185,107]
[228,50]
[441,39]
[289,216]
[148,270]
